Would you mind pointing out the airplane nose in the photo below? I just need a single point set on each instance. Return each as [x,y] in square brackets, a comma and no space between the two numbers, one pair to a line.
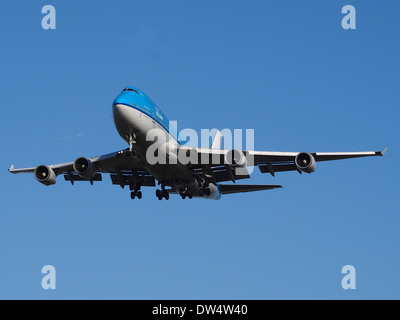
[123,119]
[119,110]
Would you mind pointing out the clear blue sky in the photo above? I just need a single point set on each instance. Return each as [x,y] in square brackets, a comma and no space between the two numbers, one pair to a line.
[284,68]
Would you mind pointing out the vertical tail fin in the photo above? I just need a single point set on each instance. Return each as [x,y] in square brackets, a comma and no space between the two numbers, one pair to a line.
[217,141]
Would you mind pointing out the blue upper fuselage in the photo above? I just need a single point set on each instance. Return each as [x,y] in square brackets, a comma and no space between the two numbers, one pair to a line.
[135,98]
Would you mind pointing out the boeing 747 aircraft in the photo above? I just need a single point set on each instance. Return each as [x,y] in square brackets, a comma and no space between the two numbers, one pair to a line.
[134,116]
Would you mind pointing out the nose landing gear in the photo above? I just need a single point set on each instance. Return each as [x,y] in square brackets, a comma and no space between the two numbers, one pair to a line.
[132,140]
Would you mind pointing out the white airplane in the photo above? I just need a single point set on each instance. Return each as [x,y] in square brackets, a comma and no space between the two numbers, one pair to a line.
[134,116]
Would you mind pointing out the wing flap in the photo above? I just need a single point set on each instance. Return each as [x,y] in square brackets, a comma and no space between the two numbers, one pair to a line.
[219,173]
[129,178]
[74,177]
[277,167]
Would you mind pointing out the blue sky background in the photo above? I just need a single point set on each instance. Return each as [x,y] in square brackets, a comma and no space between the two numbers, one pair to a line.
[284,68]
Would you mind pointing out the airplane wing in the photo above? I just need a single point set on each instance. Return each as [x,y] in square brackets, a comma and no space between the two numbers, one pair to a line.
[125,169]
[123,166]
[272,162]
[215,163]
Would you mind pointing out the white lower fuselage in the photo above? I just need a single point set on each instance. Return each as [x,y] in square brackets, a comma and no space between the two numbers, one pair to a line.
[130,121]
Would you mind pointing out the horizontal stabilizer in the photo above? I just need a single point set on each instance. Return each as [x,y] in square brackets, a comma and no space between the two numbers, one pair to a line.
[236,188]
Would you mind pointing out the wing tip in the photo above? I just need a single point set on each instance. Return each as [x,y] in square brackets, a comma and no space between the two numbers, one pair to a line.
[11,168]
[382,152]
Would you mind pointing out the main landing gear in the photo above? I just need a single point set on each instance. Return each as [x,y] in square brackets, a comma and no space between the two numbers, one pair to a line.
[186,193]
[162,194]
[135,192]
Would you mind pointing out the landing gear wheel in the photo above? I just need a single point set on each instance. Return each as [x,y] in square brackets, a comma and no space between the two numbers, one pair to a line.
[208,192]
[165,194]
[186,193]
[135,194]
[162,194]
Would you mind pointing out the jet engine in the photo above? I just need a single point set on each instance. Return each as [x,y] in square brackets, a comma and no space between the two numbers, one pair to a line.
[45,174]
[215,193]
[235,158]
[84,168]
[305,162]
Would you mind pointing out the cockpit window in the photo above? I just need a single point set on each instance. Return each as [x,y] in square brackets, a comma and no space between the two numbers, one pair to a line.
[129,89]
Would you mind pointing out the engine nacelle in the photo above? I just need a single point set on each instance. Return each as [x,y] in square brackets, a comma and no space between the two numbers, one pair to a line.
[305,162]
[235,158]
[84,168]
[45,174]
[215,193]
